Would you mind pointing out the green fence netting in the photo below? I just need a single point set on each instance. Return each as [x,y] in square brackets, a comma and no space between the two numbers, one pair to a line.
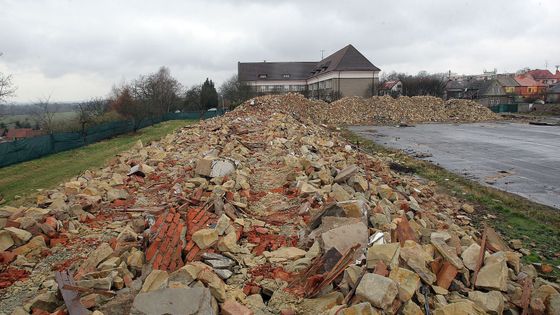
[31,148]
[504,108]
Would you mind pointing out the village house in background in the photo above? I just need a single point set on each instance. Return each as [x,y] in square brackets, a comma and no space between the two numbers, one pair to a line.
[344,73]
[529,88]
[507,91]
[545,76]
[22,133]
[391,88]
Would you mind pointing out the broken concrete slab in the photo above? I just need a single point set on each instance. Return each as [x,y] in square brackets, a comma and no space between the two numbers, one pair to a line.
[407,280]
[386,253]
[205,238]
[378,290]
[492,302]
[157,279]
[344,237]
[345,174]
[173,301]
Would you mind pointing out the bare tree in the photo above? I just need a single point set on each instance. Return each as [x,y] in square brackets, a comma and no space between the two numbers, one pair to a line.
[235,91]
[7,88]
[129,105]
[44,113]
[90,110]
[159,89]
[165,88]
[147,97]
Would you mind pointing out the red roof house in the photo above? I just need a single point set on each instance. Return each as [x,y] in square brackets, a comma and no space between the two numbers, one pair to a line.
[22,133]
[391,87]
[529,87]
[544,76]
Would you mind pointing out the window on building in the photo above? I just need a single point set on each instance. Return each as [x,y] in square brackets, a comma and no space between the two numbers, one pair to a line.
[328,84]
[286,76]
[262,76]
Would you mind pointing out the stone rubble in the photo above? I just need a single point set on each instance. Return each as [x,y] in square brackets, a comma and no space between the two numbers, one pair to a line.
[380,110]
[263,211]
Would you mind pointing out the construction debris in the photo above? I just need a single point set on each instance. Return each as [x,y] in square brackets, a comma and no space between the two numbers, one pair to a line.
[380,110]
[263,211]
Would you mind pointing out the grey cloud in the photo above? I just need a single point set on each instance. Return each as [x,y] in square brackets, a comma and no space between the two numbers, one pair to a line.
[114,40]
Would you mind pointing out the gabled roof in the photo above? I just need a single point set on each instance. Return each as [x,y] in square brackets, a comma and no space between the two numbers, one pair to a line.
[507,80]
[478,88]
[456,85]
[527,80]
[250,71]
[541,74]
[389,84]
[481,85]
[346,59]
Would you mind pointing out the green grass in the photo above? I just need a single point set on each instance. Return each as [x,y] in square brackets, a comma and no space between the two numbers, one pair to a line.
[536,225]
[25,178]
[58,118]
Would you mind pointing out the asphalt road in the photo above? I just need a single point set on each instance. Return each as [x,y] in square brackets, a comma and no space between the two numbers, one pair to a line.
[518,158]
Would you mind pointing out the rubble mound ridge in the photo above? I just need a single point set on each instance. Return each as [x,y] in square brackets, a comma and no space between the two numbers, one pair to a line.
[375,110]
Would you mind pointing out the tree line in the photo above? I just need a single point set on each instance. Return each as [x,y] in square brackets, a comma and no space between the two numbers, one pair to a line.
[423,83]
[145,98]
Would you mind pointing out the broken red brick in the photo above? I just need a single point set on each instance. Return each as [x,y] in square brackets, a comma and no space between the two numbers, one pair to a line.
[7,257]
[231,307]
[193,253]
[152,250]
[249,289]
[446,275]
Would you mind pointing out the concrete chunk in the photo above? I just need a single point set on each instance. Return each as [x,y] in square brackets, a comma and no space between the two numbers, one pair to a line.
[174,301]
[378,290]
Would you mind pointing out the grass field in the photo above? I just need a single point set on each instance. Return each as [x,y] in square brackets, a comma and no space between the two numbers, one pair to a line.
[536,225]
[25,178]
[58,117]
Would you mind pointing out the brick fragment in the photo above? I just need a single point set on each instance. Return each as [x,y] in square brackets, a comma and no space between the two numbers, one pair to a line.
[232,307]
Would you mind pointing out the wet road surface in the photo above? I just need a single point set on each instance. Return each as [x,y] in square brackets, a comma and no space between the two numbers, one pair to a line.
[518,158]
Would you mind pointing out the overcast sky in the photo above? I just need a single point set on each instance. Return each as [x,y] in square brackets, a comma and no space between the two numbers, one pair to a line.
[74,50]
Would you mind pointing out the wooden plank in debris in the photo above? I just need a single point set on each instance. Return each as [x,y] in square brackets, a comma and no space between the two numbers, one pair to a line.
[71,298]
[89,290]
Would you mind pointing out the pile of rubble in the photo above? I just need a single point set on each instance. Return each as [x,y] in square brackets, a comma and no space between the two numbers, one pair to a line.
[258,212]
[380,110]
[416,109]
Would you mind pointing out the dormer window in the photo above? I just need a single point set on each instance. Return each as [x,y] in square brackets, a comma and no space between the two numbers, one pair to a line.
[286,76]
[262,76]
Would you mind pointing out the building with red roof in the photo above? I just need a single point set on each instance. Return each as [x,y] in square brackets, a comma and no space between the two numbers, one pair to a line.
[529,88]
[22,133]
[544,76]
[393,87]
